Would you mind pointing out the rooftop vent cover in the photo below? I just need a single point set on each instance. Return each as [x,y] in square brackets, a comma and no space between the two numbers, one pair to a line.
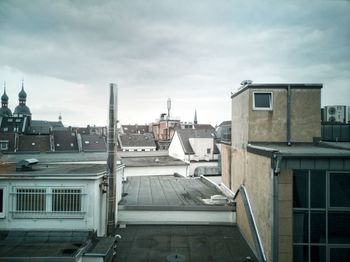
[26,164]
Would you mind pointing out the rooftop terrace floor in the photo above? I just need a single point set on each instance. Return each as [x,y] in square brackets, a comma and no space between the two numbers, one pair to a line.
[189,243]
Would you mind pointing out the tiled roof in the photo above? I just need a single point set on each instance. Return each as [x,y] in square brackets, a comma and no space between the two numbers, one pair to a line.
[186,134]
[34,143]
[65,140]
[137,140]
[11,141]
[226,123]
[93,142]
[10,123]
[204,127]
[43,127]
[135,129]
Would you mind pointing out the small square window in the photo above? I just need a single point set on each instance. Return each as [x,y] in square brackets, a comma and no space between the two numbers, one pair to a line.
[208,150]
[4,145]
[9,120]
[262,100]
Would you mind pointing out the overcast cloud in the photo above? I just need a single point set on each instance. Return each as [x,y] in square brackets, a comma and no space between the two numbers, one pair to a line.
[195,52]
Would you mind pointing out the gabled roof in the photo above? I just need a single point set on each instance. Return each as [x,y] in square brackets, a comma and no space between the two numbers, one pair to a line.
[137,140]
[204,127]
[93,142]
[65,140]
[43,127]
[186,134]
[226,123]
[34,143]
[135,129]
[10,138]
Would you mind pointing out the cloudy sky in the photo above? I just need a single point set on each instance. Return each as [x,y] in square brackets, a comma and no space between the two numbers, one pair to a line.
[195,52]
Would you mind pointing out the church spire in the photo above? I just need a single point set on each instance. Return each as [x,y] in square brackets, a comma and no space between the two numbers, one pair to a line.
[195,117]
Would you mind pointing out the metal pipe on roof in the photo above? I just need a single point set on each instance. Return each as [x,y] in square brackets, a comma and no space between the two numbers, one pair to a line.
[289,140]
[111,161]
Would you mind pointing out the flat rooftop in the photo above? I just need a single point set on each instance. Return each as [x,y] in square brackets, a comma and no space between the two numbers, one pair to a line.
[298,150]
[75,156]
[152,161]
[54,170]
[171,193]
[41,244]
[182,243]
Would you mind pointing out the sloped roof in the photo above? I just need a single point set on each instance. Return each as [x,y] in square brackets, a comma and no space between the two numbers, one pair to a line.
[65,140]
[34,143]
[186,134]
[135,129]
[137,140]
[43,127]
[93,142]
[204,127]
[226,123]
[10,137]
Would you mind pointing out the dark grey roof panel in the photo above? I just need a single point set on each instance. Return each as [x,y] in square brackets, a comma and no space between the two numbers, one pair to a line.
[168,191]
[193,243]
[137,140]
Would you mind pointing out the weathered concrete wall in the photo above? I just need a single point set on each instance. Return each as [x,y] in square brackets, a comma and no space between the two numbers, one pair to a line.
[254,171]
[242,222]
[271,126]
[239,128]
[226,165]
[285,211]
[306,114]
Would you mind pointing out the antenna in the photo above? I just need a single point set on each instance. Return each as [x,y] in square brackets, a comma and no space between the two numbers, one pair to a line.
[169,107]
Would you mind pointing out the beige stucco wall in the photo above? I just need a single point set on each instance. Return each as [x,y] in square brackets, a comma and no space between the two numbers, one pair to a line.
[285,211]
[306,114]
[239,124]
[271,126]
[254,172]
[226,165]
[242,222]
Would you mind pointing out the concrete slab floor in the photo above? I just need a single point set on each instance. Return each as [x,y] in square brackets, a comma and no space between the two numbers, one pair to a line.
[182,243]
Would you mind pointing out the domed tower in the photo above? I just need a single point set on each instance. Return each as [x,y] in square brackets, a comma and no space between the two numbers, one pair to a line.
[22,109]
[4,110]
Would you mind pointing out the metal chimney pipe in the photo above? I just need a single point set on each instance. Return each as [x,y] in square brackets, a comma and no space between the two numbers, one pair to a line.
[111,161]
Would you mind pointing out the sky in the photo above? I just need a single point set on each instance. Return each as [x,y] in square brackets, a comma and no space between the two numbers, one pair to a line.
[194,52]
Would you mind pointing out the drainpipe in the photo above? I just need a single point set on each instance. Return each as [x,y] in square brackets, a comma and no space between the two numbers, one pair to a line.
[289,142]
[111,162]
[274,232]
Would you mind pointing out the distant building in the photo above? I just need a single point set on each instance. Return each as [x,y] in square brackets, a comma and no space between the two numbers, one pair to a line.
[297,187]
[22,109]
[196,147]
[4,110]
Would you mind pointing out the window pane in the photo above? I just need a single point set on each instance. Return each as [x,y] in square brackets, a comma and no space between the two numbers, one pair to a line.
[300,227]
[262,100]
[318,189]
[339,254]
[300,188]
[318,254]
[30,199]
[339,227]
[66,200]
[318,227]
[300,254]
[339,189]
